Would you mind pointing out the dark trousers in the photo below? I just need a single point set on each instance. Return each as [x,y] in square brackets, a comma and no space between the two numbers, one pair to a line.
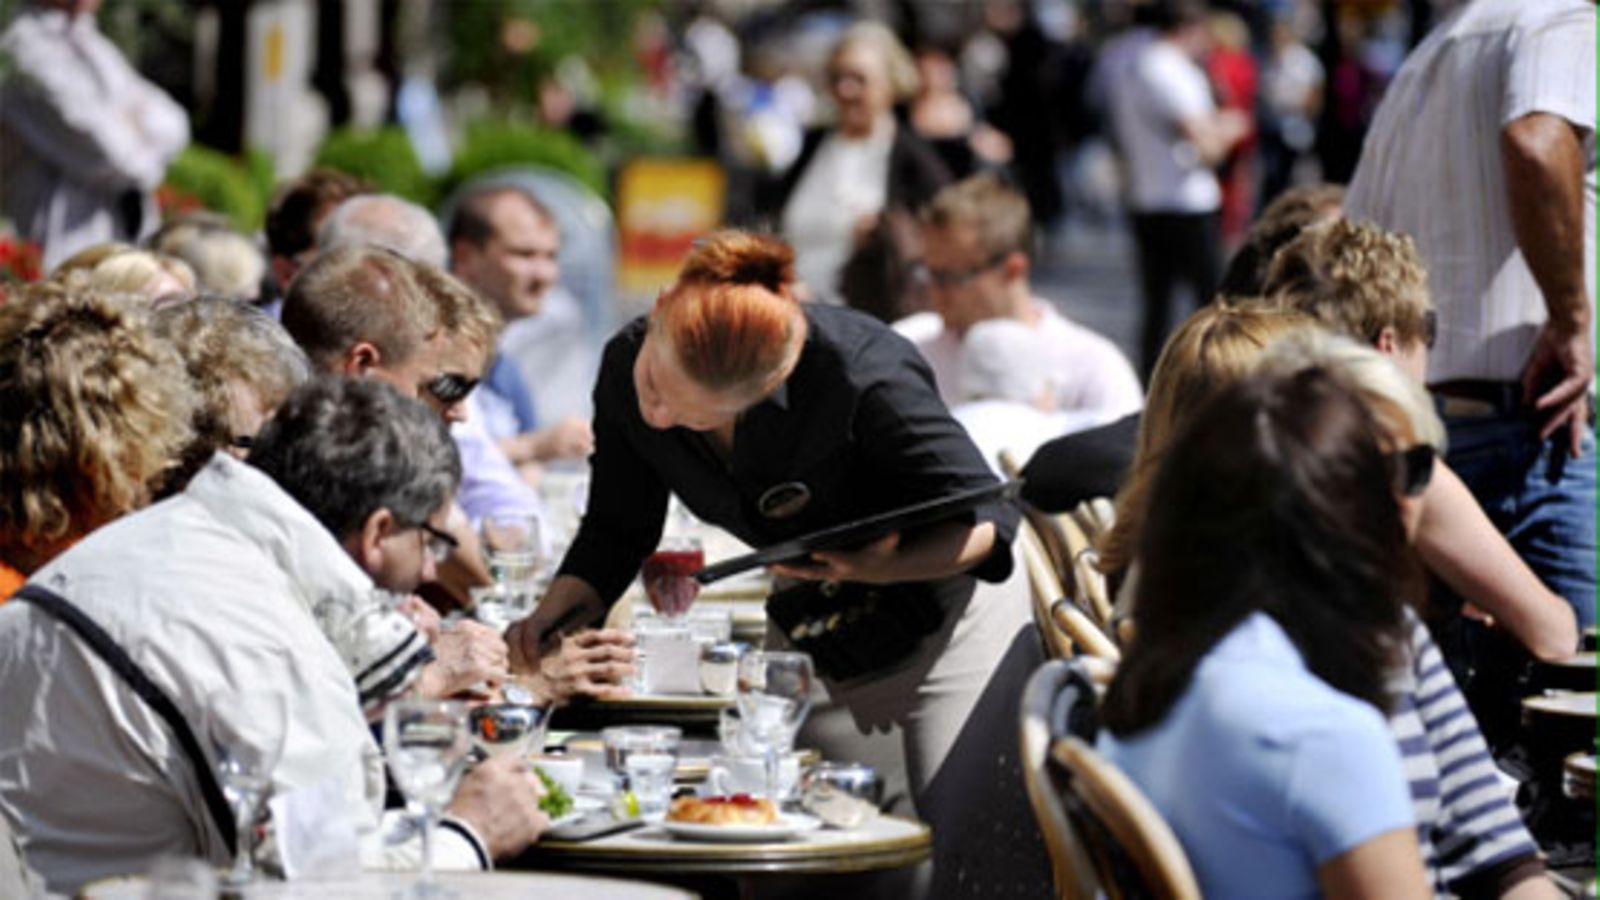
[1174,249]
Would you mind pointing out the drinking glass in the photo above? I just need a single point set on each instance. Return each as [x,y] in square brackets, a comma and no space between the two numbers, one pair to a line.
[668,575]
[427,745]
[622,742]
[247,729]
[650,778]
[508,729]
[774,697]
[513,548]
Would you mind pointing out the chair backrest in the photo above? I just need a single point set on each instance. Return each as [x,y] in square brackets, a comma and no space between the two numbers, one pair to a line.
[1133,851]
[1045,589]
[1058,701]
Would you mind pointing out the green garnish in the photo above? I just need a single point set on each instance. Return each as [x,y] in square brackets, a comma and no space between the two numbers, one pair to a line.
[556,802]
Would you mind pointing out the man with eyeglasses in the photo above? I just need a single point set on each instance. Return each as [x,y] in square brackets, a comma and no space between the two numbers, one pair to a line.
[977,236]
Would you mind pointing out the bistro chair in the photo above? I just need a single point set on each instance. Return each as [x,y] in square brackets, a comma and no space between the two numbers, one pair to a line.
[1045,591]
[1059,701]
[1133,851]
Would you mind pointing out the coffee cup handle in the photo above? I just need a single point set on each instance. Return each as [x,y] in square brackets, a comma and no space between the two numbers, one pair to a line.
[718,779]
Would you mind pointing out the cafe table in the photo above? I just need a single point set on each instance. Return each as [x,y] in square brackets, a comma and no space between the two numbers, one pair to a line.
[743,869]
[695,714]
[1573,673]
[387,885]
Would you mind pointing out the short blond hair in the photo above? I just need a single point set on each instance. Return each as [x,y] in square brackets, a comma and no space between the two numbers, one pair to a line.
[94,410]
[123,269]
[994,210]
[885,46]
[1355,277]
[464,314]
[224,260]
[1212,349]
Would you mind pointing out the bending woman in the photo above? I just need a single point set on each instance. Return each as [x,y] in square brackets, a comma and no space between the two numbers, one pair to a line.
[772,419]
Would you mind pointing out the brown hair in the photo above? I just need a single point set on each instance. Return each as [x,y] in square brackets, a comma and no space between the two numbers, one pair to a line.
[730,315]
[1354,277]
[300,205]
[356,294]
[94,409]
[995,210]
[1212,349]
[1290,213]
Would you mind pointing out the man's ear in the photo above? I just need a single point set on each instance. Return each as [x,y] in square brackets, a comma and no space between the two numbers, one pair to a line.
[463,254]
[361,358]
[365,544]
[1388,341]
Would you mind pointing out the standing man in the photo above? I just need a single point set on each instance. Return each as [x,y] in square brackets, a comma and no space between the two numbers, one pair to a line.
[505,244]
[977,234]
[1483,150]
[1171,134]
[84,139]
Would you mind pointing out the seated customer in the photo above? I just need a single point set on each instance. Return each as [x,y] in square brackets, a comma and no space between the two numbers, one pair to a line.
[125,269]
[214,590]
[1369,284]
[225,260]
[1249,707]
[94,414]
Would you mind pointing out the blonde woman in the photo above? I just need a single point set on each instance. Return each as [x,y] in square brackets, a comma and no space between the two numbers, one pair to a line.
[94,409]
[124,269]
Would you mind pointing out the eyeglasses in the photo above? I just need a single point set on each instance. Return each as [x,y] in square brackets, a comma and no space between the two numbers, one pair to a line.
[1412,469]
[450,387]
[949,278]
[242,441]
[440,544]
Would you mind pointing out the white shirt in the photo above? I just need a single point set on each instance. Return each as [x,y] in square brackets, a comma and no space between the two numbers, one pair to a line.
[1087,373]
[79,127]
[211,589]
[845,180]
[1431,168]
[1165,173]
[996,425]
[558,356]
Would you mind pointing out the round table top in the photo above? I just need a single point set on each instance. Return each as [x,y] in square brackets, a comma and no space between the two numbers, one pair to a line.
[1583,660]
[1578,775]
[1575,706]
[385,885]
[887,842]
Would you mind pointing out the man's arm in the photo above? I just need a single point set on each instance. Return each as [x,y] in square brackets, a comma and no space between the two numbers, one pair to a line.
[1543,161]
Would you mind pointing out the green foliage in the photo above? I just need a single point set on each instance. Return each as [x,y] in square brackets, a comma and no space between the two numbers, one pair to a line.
[491,145]
[220,183]
[382,156]
[600,31]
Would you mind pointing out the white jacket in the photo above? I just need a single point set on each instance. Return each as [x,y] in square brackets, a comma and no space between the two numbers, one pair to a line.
[210,589]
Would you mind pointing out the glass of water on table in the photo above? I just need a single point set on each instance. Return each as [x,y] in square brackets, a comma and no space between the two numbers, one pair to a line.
[513,549]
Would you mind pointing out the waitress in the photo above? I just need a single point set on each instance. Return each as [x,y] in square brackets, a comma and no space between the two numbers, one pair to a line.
[772,419]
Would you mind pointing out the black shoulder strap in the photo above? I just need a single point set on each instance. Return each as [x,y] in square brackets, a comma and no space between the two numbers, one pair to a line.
[114,656]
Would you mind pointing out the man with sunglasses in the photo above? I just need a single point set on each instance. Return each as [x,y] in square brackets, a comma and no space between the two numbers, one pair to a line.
[977,236]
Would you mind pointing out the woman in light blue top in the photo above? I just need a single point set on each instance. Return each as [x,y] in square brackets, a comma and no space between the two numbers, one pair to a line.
[1250,707]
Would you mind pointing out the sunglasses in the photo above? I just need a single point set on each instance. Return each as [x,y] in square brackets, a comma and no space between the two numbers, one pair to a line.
[450,387]
[1430,328]
[440,544]
[1413,469]
[949,278]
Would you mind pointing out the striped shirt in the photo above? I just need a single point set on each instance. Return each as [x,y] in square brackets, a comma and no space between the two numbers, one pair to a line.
[1467,822]
[1431,167]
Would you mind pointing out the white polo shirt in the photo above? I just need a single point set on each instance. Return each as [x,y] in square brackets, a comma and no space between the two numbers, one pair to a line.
[1431,168]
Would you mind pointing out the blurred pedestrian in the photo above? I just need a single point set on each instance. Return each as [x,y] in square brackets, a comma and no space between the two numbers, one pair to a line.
[84,138]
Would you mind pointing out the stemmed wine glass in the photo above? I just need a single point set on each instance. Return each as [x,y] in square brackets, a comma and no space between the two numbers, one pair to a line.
[774,697]
[247,730]
[427,745]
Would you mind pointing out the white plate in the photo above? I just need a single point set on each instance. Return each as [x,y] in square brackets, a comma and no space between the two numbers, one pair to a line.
[787,826]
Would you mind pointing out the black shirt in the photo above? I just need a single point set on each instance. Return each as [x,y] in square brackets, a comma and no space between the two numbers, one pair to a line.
[858,423]
[1081,466]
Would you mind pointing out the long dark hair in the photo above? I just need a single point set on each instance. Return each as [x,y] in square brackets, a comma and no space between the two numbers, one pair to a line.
[1279,499]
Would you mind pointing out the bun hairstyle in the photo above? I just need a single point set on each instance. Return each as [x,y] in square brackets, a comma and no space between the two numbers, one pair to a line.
[730,315]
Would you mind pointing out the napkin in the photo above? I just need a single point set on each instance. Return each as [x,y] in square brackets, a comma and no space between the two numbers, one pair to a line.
[671,662]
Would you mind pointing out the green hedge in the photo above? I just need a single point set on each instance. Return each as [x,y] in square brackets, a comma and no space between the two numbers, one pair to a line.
[492,145]
[382,156]
[223,184]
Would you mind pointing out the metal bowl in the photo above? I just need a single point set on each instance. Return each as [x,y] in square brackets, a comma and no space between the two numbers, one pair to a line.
[844,795]
[507,728]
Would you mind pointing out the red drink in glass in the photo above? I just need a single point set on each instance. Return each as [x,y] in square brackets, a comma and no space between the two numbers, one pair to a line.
[668,577]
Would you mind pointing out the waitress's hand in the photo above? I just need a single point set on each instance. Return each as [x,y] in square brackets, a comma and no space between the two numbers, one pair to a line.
[874,563]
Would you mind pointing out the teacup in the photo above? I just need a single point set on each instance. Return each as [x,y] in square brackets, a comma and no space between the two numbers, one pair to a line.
[564,769]
[748,775]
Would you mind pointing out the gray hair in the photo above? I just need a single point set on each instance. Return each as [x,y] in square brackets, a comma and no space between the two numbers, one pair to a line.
[224,260]
[346,447]
[1401,406]
[384,220]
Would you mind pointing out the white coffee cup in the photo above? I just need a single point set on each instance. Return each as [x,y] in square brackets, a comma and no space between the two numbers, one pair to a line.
[748,774]
[565,770]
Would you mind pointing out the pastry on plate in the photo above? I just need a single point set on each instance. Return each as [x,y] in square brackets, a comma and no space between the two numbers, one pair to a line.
[739,809]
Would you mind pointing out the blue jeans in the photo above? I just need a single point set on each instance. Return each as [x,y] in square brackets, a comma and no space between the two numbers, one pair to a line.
[1538,495]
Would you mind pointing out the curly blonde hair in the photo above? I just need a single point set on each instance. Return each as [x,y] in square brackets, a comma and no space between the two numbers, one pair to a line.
[1354,277]
[124,269]
[94,409]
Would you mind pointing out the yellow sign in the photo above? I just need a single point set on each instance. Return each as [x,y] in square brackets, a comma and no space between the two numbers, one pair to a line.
[272,59]
[663,206]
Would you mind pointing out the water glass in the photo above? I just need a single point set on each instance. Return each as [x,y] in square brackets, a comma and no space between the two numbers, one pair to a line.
[427,746]
[774,697]
[509,729]
[650,778]
[513,547]
[624,741]
[247,730]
